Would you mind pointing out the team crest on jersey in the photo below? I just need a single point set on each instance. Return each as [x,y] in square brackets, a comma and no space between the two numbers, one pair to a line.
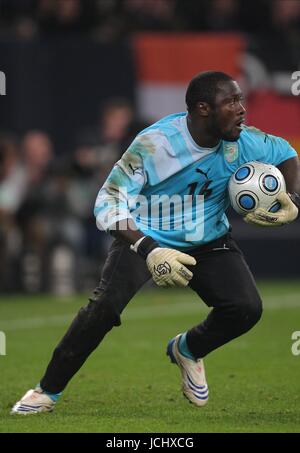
[231,152]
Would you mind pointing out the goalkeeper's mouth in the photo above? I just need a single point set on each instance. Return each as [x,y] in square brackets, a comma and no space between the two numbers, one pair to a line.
[235,131]
[240,124]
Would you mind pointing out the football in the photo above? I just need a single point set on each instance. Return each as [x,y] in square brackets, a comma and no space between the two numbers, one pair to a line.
[256,185]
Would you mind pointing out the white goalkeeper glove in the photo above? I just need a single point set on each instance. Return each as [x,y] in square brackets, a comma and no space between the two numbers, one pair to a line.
[165,265]
[286,214]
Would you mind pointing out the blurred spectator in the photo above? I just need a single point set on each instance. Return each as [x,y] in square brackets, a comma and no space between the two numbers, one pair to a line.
[285,16]
[37,154]
[109,25]
[61,243]
[109,20]
[98,149]
[48,229]
[223,15]
[17,18]
[145,15]
[12,184]
[276,43]
[51,236]
[84,181]
[65,17]
[116,128]
[12,179]
[50,221]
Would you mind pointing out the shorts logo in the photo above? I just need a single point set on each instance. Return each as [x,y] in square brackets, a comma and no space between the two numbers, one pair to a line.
[231,152]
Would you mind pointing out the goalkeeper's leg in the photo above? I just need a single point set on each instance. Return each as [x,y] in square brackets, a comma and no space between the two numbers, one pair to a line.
[224,281]
[123,275]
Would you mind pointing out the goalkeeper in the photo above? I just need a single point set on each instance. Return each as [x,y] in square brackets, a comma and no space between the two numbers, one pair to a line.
[190,155]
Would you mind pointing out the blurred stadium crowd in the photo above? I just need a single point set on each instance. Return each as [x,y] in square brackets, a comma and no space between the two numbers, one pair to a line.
[115,19]
[48,237]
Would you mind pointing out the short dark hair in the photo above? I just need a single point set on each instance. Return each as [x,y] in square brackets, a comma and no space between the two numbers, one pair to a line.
[203,88]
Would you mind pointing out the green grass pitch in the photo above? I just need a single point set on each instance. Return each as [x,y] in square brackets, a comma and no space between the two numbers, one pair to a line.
[129,385]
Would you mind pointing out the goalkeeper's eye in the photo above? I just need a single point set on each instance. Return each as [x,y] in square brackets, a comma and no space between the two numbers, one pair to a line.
[237,99]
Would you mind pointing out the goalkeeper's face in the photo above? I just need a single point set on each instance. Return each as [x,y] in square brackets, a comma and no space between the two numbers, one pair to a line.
[228,113]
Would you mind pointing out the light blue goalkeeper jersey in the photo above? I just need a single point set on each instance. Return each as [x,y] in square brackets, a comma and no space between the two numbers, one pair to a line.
[164,163]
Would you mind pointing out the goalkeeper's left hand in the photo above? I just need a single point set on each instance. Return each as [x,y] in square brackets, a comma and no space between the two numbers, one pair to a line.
[165,265]
[286,214]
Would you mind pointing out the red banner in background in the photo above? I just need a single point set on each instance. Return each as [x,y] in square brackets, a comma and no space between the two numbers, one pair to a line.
[275,114]
[165,63]
[176,58]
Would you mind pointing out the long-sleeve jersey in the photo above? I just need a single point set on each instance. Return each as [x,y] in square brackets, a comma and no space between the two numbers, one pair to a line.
[176,191]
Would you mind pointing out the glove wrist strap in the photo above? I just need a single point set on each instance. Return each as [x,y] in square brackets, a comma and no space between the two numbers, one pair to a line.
[144,246]
[295,199]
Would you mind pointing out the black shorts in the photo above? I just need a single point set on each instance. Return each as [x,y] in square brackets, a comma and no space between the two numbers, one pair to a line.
[221,271]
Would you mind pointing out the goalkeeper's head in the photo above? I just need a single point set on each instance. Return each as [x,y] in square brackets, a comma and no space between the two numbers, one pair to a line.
[214,103]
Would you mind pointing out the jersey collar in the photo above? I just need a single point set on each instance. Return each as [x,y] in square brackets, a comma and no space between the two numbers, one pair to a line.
[195,145]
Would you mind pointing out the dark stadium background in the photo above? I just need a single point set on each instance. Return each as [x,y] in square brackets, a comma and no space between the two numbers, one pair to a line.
[77,75]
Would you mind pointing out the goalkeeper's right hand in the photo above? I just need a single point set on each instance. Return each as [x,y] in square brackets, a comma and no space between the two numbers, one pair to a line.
[165,265]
